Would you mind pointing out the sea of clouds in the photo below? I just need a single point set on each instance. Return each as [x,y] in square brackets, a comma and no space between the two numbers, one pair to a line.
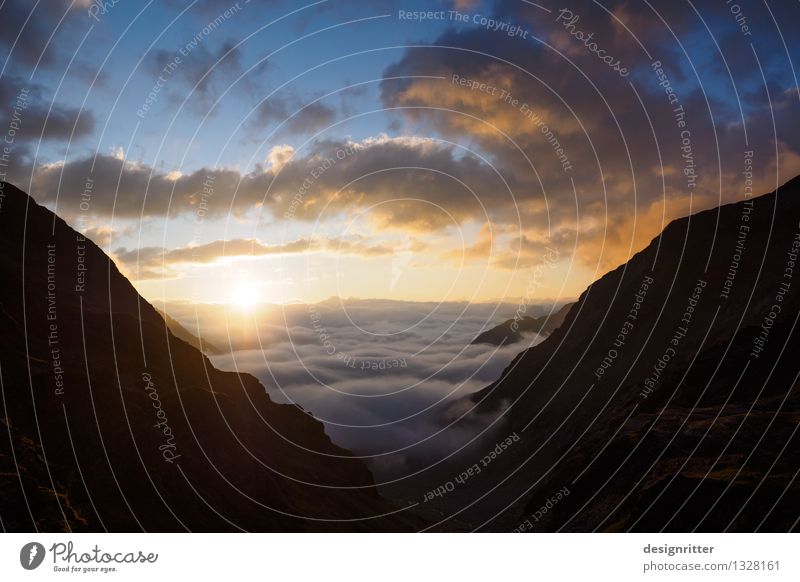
[385,377]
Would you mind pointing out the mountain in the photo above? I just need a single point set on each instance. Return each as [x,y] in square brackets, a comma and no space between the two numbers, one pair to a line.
[513,330]
[184,334]
[114,423]
[668,398]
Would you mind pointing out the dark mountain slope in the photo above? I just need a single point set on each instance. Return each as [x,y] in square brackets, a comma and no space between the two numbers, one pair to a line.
[512,331]
[184,334]
[111,422]
[678,414]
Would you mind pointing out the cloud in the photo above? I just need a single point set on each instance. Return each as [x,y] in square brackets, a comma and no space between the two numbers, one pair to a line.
[382,375]
[35,117]
[592,164]
[157,262]
[25,29]
[527,107]
[297,118]
[202,74]
[401,183]
[465,4]
[100,235]
[278,155]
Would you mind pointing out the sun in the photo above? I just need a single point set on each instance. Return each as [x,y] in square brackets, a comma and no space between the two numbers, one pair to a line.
[245,296]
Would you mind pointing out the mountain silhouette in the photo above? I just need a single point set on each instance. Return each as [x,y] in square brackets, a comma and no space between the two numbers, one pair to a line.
[513,330]
[668,398]
[180,332]
[115,424]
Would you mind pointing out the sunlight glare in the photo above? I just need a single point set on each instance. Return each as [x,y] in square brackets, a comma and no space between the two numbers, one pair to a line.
[245,296]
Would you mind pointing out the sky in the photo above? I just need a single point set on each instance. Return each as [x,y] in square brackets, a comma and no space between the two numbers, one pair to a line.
[268,151]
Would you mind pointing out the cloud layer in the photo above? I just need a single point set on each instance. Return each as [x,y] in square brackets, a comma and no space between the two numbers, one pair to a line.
[379,374]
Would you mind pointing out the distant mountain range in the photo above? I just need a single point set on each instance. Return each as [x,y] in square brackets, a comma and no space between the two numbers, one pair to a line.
[514,330]
[114,423]
[668,399]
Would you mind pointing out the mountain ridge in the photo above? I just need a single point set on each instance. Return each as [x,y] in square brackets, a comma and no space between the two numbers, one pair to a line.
[179,331]
[665,341]
[513,330]
[118,425]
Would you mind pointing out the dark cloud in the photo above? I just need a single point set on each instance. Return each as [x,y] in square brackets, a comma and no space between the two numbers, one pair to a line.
[411,183]
[35,117]
[26,27]
[296,117]
[202,74]
[131,190]
[45,35]
[620,133]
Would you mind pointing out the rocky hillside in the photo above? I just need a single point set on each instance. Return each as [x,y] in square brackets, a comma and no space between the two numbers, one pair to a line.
[513,330]
[180,332]
[112,423]
[668,398]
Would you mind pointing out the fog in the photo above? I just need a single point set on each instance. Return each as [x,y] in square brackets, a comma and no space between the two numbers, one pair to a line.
[383,376]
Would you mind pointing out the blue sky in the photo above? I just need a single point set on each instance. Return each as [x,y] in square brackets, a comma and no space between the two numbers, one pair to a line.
[271,54]
[130,39]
